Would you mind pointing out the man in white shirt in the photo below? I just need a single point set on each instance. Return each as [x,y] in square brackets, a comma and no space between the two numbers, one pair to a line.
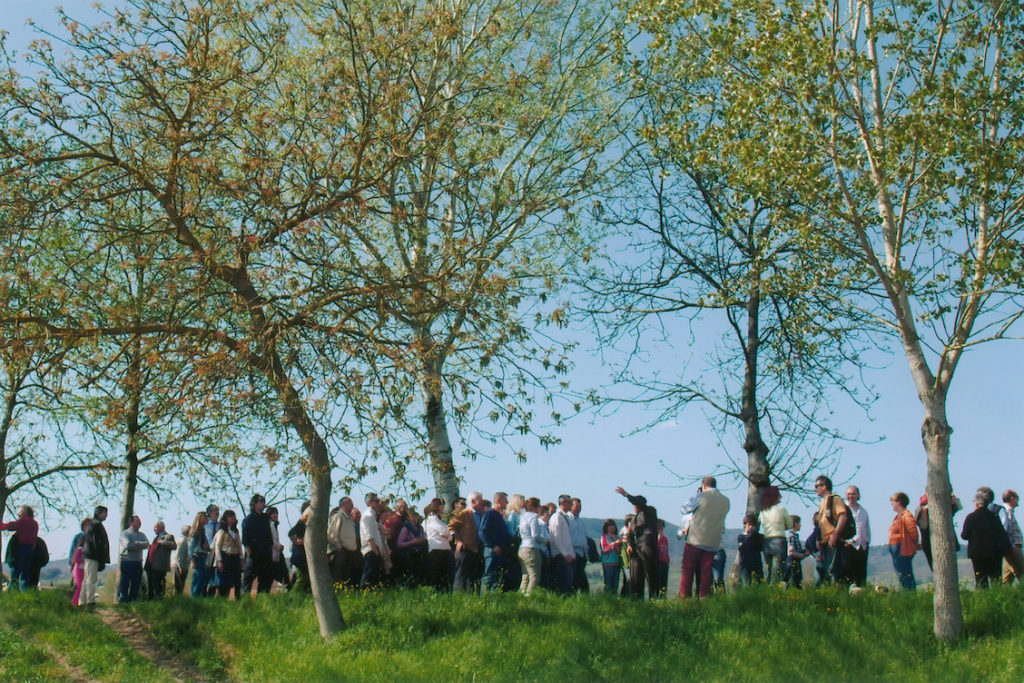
[704,536]
[439,544]
[1013,564]
[856,556]
[560,539]
[578,533]
[375,560]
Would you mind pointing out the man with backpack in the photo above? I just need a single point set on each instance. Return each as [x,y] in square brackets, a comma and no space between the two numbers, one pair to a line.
[835,525]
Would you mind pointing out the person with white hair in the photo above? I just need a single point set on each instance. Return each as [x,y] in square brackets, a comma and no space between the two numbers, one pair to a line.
[180,561]
[27,530]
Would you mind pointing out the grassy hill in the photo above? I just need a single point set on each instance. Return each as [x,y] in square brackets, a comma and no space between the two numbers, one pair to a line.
[756,634]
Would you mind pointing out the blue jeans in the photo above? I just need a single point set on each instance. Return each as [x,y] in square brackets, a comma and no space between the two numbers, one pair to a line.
[832,559]
[718,569]
[200,577]
[611,578]
[775,553]
[131,579]
[494,568]
[904,567]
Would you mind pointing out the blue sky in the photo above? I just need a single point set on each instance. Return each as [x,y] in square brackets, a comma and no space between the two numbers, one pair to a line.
[985,410]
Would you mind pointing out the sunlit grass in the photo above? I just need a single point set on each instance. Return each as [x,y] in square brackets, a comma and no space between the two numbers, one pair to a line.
[47,618]
[759,634]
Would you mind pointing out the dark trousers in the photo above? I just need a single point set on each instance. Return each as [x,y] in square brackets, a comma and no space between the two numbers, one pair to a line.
[180,574]
[561,574]
[131,579]
[856,561]
[513,571]
[580,584]
[987,569]
[648,572]
[156,584]
[230,576]
[371,571]
[259,571]
[794,572]
[21,572]
[469,567]
[347,567]
[437,570]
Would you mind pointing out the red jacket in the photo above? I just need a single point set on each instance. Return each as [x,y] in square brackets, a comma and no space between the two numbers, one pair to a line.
[26,528]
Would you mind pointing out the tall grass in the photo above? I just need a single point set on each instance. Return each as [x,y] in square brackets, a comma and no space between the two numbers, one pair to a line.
[757,634]
[31,624]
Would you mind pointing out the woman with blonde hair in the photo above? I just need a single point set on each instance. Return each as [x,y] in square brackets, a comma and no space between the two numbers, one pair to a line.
[198,552]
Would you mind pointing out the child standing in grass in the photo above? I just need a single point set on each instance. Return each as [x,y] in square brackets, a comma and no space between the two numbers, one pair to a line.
[611,562]
[796,552]
[663,559]
[751,543]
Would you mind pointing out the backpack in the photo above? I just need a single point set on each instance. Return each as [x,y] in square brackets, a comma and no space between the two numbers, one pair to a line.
[850,530]
[592,554]
[40,554]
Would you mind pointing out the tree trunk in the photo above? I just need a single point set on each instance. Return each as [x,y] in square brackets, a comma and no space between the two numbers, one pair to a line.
[328,611]
[758,468]
[10,403]
[935,433]
[133,388]
[442,465]
[131,479]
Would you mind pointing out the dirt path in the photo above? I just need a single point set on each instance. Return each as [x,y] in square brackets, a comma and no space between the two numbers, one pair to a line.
[74,673]
[135,632]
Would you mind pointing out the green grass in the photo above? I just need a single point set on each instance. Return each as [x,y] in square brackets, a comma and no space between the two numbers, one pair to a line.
[30,622]
[757,634]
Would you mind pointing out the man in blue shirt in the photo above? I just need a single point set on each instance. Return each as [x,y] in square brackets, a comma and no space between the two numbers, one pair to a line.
[494,538]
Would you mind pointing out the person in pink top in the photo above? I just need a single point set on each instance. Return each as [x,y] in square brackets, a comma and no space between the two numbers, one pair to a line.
[77,571]
[27,529]
[663,559]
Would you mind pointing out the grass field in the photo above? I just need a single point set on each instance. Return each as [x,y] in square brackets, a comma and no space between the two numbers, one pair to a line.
[756,634]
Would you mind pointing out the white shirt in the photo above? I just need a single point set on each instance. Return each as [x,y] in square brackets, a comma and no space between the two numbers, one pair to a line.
[438,535]
[276,555]
[531,530]
[132,544]
[560,535]
[862,541]
[369,529]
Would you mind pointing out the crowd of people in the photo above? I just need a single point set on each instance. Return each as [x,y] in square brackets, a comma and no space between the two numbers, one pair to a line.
[513,543]
[841,538]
